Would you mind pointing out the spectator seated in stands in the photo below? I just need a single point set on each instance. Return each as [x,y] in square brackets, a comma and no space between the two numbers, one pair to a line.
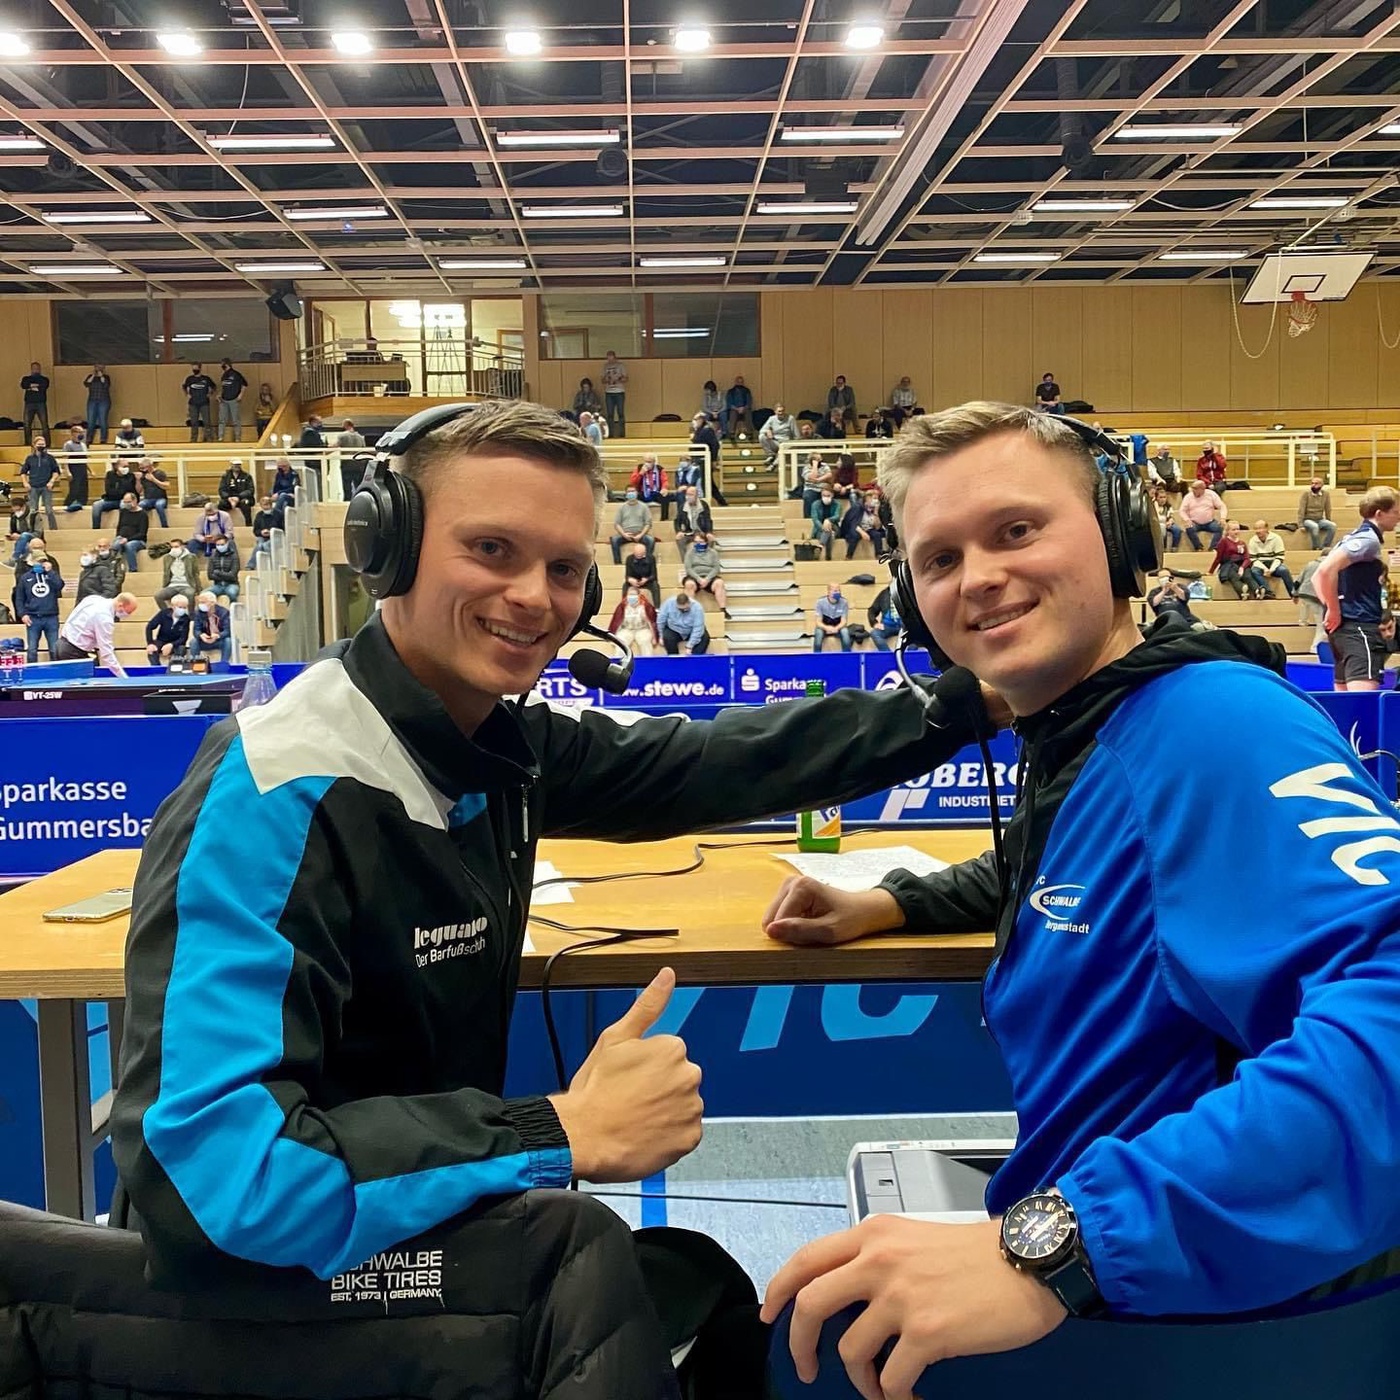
[649,482]
[1236,567]
[693,521]
[1311,609]
[640,572]
[214,524]
[634,623]
[284,484]
[903,398]
[738,408]
[209,630]
[1266,549]
[168,632]
[155,490]
[1201,509]
[681,624]
[688,473]
[179,574]
[845,479]
[1164,470]
[1211,467]
[1166,518]
[817,476]
[39,471]
[831,429]
[118,481]
[590,425]
[268,519]
[781,427]
[265,407]
[882,618]
[224,569]
[862,525]
[1315,515]
[1169,595]
[711,401]
[128,441]
[1047,394]
[37,588]
[587,400]
[825,515]
[101,571]
[841,403]
[831,619]
[880,424]
[237,491]
[133,526]
[701,570]
[89,629]
[631,524]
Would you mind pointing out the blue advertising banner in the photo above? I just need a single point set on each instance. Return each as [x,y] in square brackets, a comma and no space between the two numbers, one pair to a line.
[765,679]
[673,682]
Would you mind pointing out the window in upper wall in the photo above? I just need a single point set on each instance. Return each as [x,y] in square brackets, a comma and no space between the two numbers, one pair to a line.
[217,328]
[586,325]
[106,332]
[704,324]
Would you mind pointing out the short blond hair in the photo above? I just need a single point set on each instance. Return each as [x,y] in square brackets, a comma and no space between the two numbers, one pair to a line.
[1377,499]
[509,425]
[934,435]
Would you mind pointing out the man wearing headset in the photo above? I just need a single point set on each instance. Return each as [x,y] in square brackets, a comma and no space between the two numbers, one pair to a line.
[1209,1112]
[314,1053]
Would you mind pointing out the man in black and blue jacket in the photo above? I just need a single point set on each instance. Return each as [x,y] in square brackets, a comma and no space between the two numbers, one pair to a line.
[37,591]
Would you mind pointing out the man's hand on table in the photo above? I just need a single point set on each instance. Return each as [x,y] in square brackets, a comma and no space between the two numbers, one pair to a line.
[809,914]
[938,1291]
[634,1106]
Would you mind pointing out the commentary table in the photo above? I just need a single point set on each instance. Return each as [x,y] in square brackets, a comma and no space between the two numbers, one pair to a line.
[716,908]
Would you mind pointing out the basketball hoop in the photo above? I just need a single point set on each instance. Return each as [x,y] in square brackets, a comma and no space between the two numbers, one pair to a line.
[1302,314]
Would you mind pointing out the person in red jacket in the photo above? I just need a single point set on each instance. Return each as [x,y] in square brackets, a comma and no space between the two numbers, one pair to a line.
[634,622]
[1237,568]
[649,480]
[1210,467]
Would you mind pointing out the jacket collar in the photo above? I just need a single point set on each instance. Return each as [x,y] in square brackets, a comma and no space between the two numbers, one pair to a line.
[496,758]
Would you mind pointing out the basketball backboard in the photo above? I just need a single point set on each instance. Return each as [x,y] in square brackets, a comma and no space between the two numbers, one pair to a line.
[1328,276]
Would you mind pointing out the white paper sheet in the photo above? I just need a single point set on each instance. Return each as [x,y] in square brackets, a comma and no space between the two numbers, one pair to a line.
[550,894]
[862,870]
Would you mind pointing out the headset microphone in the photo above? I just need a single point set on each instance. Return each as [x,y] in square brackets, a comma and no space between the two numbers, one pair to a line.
[956,698]
[593,669]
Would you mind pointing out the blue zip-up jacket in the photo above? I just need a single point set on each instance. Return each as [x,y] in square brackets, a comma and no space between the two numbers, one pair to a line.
[37,592]
[1136,968]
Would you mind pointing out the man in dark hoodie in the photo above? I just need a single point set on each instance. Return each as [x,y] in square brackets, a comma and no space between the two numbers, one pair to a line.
[1199,1125]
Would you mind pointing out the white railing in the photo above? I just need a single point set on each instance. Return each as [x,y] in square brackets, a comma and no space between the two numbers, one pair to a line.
[626,454]
[794,456]
[442,366]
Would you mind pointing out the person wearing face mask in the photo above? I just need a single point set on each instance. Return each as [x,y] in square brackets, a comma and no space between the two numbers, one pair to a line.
[284,484]
[180,574]
[102,572]
[224,569]
[1315,515]
[209,629]
[237,491]
[634,623]
[701,570]
[631,525]
[115,484]
[681,625]
[832,618]
[168,632]
[862,525]
[214,524]
[133,526]
[36,593]
[824,513]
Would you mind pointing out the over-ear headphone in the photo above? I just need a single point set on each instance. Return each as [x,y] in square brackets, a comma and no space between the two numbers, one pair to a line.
[1132,538]
[384,520]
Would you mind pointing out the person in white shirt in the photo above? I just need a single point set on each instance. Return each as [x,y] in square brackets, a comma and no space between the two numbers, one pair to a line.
[89,630]
[615,394]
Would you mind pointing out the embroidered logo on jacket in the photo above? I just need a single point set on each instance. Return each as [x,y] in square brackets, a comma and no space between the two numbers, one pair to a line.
[1057,903]
[434,945]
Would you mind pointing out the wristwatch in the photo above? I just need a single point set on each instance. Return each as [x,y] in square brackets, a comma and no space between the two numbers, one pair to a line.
[1040,1235]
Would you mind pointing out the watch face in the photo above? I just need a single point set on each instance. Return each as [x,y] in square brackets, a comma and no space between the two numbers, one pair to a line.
[1038,1229]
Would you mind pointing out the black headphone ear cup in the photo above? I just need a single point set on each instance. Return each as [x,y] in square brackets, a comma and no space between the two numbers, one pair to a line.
[1132,540]
[592,600]
[408,509]
[384,533]
[910,619]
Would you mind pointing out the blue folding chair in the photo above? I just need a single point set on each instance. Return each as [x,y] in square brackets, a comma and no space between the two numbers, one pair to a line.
[1345,1348]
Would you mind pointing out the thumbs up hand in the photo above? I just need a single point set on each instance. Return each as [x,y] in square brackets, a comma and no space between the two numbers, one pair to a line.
[634,1106]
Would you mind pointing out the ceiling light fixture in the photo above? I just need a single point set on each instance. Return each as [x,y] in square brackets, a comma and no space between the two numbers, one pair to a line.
[181,43]
[1080,206]
[794,210]
[21,143]
[571,211]
[1389,129]
[681,333]
[865,36]
[271,267]
[523,42]
[1139,131]
[90,216]
[351,41]
[558,138]
[74,269]
[717,260]
[481,264]
[1010,257]
[13,45]
[1299,201]
[692,40]
[311,141]
[361,211]
[841,133]
[1203,255]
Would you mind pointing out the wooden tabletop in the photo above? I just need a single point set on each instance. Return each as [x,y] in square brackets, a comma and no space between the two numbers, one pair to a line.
[717,909]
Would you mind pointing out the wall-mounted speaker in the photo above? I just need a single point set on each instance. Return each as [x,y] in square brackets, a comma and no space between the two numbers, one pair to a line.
[285,304]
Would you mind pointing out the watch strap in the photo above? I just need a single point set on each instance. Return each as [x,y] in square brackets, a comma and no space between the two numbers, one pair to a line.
[1072,1282]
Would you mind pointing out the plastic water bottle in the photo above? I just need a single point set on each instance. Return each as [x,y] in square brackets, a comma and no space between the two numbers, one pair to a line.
[819,829]
[259,688]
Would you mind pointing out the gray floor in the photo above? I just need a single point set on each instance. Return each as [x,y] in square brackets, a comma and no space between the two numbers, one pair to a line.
[743,1160]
